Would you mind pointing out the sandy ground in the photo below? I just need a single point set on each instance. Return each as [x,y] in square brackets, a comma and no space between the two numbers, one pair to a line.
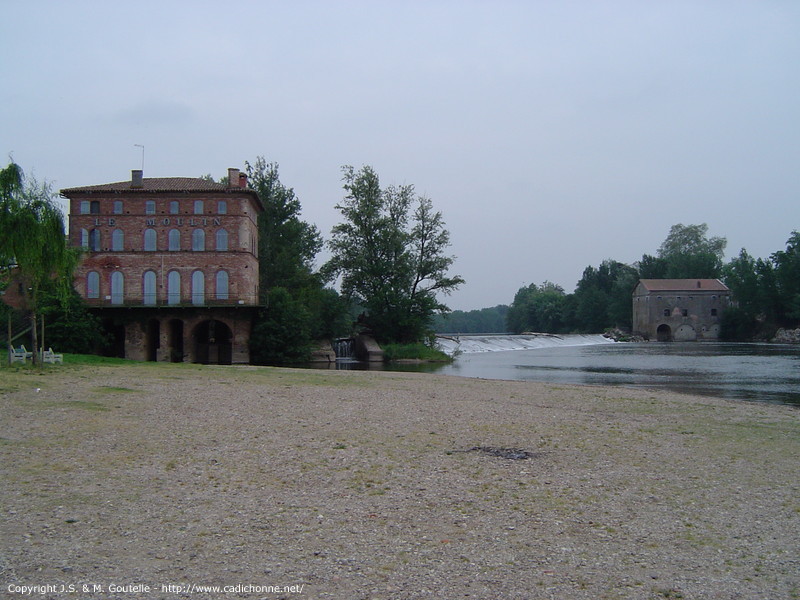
[127,482]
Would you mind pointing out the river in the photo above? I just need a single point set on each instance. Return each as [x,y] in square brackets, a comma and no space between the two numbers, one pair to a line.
[755,372]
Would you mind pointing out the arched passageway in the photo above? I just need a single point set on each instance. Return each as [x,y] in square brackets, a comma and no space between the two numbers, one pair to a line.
[213,342]
[664,333]
[152,340]
[175,340]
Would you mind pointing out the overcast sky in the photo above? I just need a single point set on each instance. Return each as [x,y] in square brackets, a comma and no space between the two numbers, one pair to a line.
[552,134]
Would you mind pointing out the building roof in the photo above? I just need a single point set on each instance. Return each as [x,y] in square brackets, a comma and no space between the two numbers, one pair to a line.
[683,285]
[152,185]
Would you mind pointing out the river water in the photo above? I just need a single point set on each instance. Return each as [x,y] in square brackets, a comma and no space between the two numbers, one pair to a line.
[755,372]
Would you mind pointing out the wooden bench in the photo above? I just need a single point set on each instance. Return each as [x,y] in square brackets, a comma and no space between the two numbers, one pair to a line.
[48,356]
[17,354]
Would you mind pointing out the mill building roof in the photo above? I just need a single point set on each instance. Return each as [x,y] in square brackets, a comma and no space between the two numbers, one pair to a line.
[155,185]
[683,285]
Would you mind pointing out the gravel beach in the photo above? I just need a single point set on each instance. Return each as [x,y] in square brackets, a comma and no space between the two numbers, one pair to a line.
[157,480]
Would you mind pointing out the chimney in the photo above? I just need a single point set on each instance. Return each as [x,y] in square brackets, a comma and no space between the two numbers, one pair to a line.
[233,177]
[136,178]
[242,180]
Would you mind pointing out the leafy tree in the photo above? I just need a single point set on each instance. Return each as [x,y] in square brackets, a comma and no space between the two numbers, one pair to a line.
[299,309]
[787,281]
[603,297]
[391,258]
[686,253]
[281,333]
[287,245]
[70,326]
[32,240]
[537,308]
[766,292]
[741,276]
[484,320]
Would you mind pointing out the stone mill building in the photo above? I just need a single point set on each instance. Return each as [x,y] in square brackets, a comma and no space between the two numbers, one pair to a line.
[679,309]
[170,264]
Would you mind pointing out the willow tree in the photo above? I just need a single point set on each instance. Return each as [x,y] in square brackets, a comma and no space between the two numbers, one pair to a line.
[33,246]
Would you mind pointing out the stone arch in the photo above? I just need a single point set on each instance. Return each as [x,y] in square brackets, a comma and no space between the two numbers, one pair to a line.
[213,342]
[664,333]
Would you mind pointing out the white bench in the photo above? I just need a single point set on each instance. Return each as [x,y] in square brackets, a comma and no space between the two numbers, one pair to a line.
[20,354]
[48,356]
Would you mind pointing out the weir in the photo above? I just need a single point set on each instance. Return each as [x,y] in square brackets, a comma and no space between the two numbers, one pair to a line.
[468,344]
[344,348]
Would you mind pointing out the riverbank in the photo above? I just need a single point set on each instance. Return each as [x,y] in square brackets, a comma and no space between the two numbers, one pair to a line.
[359,484]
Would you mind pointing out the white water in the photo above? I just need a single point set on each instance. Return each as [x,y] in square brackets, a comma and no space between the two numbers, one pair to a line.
[471,344]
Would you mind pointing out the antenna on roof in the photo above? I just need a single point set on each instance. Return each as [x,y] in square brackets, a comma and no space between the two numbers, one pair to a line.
[142,147]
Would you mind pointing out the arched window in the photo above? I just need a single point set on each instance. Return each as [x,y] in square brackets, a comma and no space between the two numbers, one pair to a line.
[222,239]
[117,287]
[198,288]
[117,240]
[93,284]
[174,239]
[173,287]
[150,207]
[174,207]
[222,285]
[149,287]
[150,240]
[94,240]
[84,238]
[222,207]
[198,240]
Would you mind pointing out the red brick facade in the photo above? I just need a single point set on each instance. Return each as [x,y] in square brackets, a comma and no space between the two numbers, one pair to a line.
[172,249]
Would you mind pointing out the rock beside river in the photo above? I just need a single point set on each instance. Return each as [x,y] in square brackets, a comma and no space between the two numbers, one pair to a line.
[787,336]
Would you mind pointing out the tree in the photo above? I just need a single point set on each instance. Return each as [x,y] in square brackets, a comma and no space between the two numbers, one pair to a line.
[603,297]
[391,260]
[281,335]
[787,281]
[688,253]
[299,309]
[287,245]
[33,247]
[538,308]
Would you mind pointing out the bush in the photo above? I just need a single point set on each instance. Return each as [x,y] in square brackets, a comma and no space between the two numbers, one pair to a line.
[418,351]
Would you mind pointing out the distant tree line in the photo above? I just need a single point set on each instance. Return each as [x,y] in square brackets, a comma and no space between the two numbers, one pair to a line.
[766,292]
[484,320]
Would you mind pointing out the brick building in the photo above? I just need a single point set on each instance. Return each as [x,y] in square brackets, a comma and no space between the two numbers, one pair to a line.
[679,309]
[170,264]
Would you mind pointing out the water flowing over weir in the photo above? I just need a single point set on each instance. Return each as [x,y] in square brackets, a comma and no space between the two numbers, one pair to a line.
[344,348]
[470,344]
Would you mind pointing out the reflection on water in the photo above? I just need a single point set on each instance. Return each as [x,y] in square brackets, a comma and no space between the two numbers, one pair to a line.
[763,372]
[759,372]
